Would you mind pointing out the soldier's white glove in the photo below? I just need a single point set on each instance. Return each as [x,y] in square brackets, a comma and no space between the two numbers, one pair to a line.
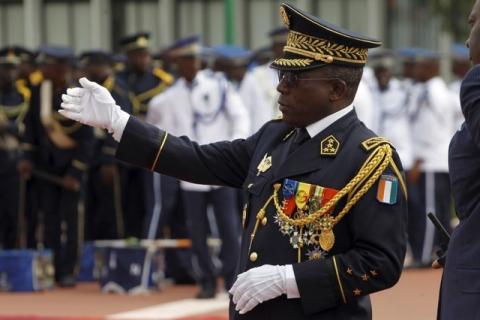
[258,285]
[93,105]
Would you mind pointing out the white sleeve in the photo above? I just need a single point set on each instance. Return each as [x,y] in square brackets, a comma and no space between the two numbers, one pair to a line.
[238,115]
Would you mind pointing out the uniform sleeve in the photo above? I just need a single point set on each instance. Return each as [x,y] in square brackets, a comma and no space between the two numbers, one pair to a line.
[29,139]
[374,262]
[222,163]
[470,101]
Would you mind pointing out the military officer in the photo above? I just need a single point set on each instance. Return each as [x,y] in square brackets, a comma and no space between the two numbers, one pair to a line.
[144,82]
[432,107]
[61,151]
[206,109]
[103,201]
[14,103]
[258,87]
[459,294]
[325,220]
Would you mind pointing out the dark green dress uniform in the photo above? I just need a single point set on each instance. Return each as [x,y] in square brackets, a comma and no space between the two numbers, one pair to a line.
[104,212]
[61,147]
[14,103]
[137,184]
[350,238]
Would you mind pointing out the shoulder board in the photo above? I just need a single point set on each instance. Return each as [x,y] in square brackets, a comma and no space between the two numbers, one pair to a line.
[164,76]
[372,143]
[35,77]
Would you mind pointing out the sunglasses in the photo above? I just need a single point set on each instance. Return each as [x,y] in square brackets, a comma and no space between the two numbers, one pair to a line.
[291,79]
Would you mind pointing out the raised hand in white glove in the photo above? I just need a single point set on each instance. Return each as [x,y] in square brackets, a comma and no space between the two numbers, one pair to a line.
[93,105]
[258,285]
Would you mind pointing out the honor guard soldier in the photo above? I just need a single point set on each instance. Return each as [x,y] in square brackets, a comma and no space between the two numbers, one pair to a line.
[204,107]
[28,72]
[432,107]
[390,113]
[460,290]
[14,103]
[144,82]
[258,88]
[233,62]
[61,152]
[103,200]
[325,220]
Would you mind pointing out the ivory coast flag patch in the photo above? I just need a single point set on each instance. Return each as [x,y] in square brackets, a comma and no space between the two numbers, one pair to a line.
[387,189]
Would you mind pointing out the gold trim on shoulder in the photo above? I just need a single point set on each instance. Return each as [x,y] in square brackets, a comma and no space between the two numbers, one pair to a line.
[374,142]
[82,166]
[329,146]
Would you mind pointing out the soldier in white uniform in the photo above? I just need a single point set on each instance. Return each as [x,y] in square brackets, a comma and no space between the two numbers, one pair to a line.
[431,118]
[259,86]
[460,66]
[391,115]
[204,107]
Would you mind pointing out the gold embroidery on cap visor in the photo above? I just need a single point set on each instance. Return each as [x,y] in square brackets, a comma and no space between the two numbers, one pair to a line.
[319,49]
[284,16]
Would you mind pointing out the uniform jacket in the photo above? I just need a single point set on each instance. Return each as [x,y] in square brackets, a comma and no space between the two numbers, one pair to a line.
[370,241]
[460,291]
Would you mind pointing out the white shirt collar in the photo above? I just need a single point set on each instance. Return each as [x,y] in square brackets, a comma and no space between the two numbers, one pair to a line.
[317,127]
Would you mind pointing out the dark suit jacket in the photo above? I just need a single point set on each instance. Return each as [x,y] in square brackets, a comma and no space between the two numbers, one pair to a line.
[460,294]
[370,240]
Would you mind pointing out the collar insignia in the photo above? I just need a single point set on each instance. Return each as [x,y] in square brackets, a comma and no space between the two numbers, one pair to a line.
[265,164]
[329,146]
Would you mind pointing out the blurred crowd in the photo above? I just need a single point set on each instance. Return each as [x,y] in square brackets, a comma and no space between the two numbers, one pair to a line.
[60,183]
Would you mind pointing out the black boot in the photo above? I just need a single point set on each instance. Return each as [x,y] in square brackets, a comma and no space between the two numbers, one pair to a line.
[207,289]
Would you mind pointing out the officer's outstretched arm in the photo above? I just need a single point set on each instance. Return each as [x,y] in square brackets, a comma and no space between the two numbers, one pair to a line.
[222,163]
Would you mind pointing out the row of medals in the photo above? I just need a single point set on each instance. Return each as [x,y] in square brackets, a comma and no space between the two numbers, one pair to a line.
[318,234]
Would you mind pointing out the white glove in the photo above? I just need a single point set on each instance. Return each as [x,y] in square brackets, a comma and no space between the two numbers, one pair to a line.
[258,285]
[93,105]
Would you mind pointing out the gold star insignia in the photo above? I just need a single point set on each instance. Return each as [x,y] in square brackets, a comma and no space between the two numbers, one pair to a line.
[373,273]
[365,277]
[357,292]
[349,271]
[329,146]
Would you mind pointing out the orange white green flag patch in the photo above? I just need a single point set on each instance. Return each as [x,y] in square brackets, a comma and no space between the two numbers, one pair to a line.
[387,189]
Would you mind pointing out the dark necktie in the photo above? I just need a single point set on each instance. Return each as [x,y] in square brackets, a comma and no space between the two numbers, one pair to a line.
[301,135]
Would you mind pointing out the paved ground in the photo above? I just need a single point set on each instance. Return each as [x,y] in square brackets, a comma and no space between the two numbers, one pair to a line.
[413,298]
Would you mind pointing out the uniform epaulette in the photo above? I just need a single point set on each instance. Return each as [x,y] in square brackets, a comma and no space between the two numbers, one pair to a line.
[372,143]
[164,76]
[35,77]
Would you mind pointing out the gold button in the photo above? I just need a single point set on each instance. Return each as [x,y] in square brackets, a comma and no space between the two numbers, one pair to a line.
[253,256]
[264,221]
